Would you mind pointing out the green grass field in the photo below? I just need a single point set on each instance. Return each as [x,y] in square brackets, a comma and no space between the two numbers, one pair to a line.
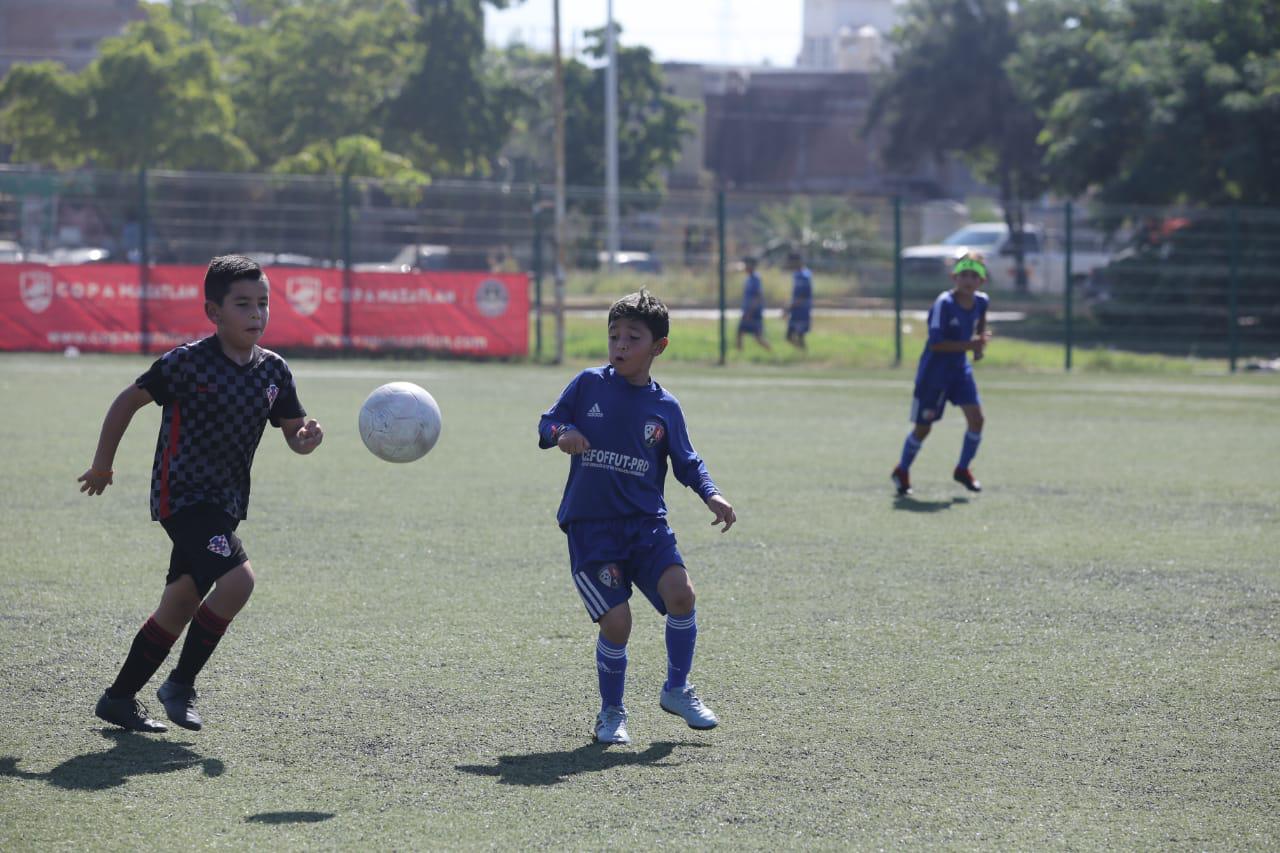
[1085,656]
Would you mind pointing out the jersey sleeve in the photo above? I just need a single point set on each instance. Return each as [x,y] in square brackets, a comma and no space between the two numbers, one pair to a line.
[164,378]
[558,420]
[287,406]
[939,319]
[686,464]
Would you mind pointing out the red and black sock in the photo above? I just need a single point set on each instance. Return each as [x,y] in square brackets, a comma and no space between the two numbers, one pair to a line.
[150,648]
[202,638]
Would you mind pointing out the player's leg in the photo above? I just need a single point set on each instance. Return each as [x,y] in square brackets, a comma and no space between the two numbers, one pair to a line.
[965,395]
[602,585]
[926,407]
[611,671]
[216,558]
[119,704]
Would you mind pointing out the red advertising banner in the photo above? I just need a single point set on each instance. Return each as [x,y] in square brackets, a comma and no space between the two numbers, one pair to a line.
[98,307]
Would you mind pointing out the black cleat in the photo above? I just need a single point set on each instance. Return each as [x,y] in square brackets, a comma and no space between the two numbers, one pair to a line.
[179,701]
[964,477]
[902,481]
[127,713]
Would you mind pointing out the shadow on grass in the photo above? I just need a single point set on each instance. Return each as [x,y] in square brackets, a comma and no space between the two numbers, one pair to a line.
[551,768]
[288,817]
[910,504]
[132,755]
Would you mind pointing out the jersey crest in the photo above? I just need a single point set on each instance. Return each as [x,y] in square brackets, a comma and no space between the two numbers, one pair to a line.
[653,432]
[272,393]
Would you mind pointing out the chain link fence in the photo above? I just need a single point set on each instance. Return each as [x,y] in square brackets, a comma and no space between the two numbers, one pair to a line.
[1179,281]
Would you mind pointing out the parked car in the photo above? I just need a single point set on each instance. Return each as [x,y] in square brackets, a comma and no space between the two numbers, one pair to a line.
[1045,264]
[10,252]
[71,256]
[642,262]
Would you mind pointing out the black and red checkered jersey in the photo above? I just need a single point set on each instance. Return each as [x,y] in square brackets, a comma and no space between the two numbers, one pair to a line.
[214,413]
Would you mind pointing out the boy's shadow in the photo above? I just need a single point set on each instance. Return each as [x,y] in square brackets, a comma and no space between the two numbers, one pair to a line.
[132,755]
[910,504]
[551,768]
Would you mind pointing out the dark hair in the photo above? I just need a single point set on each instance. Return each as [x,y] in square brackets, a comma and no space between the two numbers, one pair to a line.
[225,270]
[646,308]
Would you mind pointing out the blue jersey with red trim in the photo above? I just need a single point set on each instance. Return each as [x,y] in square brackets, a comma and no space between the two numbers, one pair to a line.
[634,431]
[214,415]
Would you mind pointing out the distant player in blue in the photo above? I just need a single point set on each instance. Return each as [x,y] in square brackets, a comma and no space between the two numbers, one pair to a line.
[800,310]
[621,430]
[957,324]
[752,322]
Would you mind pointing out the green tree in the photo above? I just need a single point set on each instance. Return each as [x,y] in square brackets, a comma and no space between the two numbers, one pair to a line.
[153,97]
[362,156]
[455,111]
[949,92]
[1155,101]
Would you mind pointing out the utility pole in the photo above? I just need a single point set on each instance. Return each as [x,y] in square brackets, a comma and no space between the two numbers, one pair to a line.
[611,140]
[560,205]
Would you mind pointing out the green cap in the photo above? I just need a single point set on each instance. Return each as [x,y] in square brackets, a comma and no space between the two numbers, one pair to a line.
[969,265]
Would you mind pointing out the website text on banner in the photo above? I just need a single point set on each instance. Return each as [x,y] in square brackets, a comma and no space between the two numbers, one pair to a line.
[98,308]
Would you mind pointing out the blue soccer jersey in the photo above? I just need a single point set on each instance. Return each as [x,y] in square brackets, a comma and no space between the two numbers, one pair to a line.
[752,299]
[948,322]
[801,297]
[633,431]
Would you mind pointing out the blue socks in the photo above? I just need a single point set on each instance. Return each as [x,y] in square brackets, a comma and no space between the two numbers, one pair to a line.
[970,449]
[611,666]
[909,450]
[682,634]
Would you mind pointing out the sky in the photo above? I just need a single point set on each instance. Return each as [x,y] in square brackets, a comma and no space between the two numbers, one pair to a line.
[713,31]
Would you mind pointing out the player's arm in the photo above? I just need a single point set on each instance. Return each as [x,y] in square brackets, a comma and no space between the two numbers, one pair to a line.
[556,429]
[119,414]
[303,435]
[980,337]
[691,471]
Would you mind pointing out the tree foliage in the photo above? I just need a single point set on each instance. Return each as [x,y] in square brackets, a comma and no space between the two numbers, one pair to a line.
[1154,101]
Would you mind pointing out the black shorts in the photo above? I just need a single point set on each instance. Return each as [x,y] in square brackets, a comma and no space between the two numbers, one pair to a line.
[205,545]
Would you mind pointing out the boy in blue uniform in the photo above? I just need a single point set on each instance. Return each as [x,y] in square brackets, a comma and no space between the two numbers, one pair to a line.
[799,312]
[957,324]
[752,322]
[621,429]
[218,395]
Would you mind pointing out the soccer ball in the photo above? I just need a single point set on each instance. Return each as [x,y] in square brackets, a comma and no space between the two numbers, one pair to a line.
[399,422]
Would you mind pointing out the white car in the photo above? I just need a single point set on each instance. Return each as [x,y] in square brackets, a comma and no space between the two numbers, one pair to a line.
[10,252]
[1045,263]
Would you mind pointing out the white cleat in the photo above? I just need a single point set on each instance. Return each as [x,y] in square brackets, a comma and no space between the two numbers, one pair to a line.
[683,702]
[611,726]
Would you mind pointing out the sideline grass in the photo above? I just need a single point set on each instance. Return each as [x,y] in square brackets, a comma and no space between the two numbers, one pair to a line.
[862,342]
[1083,656]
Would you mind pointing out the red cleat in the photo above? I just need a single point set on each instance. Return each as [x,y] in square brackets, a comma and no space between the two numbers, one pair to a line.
[965,477]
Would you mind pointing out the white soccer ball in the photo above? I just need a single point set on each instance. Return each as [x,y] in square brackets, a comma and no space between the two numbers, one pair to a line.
[399,422]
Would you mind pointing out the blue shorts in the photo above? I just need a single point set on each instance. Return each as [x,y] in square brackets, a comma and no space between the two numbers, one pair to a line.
[608,557]
[930,400]
[751,324]
[798,325]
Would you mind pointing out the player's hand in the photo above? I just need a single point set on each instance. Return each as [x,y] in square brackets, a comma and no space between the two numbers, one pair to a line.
[573,442]
[95,482]
[723,511]
[308,437]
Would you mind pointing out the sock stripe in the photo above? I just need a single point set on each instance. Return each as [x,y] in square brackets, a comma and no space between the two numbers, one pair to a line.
[210,621]
[612,653]
[154,633]
[681,622]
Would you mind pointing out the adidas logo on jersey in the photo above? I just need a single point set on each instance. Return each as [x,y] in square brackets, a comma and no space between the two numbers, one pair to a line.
[594,411]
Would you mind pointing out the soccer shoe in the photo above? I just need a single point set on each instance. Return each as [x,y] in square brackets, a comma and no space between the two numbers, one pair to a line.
[964,477]
[683,702]
[127,714]
[611,726]
[902,480]
[179,701]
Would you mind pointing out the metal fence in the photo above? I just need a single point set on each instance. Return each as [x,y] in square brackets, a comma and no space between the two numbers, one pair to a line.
[1190,281]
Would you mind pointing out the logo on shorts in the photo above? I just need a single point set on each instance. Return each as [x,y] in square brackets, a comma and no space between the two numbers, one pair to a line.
[653,432]
[272,393]
[928,414]
[610,576]
[220,546]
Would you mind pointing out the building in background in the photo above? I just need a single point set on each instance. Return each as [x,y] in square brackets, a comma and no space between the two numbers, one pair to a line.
[847,35]
[66,31]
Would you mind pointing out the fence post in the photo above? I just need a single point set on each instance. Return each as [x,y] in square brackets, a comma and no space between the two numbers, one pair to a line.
[897,280]
[1067,286]
[537,271]
[724,341]
[346,261]
[144,261]
[1233,292]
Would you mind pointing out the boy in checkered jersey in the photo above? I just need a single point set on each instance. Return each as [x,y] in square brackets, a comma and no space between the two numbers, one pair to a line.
[620,429]
[218,395]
